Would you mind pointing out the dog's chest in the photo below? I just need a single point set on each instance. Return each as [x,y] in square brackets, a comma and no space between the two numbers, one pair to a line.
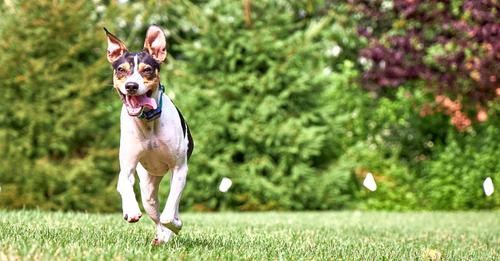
[154,144]
[157,155]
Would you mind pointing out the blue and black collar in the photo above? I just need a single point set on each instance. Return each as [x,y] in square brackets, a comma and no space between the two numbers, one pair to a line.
[156,113]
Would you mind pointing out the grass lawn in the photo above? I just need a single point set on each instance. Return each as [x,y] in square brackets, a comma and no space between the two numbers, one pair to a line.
[255,236]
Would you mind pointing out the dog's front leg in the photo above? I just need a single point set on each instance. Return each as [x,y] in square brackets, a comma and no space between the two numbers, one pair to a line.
[170,216]
[131,210]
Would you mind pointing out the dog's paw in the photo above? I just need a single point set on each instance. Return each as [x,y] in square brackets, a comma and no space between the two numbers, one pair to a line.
[131,212]
[157,242]
[174,224]
[163,235]
[132,218]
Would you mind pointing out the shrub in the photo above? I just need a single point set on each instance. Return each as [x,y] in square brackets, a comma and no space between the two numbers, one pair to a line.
[57,129]
[451,46]
[453,179]
[262,93]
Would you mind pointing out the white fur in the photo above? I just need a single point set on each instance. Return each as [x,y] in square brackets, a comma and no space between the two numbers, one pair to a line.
[135,77]
[151,149]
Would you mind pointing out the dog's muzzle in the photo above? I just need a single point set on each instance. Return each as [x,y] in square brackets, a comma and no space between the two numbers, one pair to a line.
[135,104]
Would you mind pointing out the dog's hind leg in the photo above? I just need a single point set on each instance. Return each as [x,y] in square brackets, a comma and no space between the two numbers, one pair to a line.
[149,195]
[170,216]
[149,192]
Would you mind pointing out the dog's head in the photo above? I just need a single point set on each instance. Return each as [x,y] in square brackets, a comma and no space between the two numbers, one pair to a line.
[136,75]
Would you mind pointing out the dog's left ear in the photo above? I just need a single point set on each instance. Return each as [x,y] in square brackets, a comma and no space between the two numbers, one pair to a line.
[156,43]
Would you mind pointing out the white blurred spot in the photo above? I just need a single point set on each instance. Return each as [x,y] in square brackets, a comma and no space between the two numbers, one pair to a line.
[369,182]
[488,186]
[138,21]
[225,184]
[302,13]
[387,5]
[166,31]
[334,51]
[208,11]
[121,22]
[100,8]
[367,64]
[327,70]
[196,29]
[382,64]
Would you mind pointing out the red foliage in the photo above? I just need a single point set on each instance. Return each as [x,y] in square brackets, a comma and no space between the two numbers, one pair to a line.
[405,34]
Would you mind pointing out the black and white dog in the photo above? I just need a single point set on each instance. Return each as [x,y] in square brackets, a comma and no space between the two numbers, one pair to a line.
[154,136]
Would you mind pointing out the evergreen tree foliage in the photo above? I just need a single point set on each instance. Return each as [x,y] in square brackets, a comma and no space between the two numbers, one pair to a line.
[58,111]
[258,94]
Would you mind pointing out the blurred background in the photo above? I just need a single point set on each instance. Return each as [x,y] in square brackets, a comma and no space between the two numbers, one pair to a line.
[294,101]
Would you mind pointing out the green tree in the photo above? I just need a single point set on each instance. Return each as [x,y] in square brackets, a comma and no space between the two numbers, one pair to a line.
[58,118]
[256,81]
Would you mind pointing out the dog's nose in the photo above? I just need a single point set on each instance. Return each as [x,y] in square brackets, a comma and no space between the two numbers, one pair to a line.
[131,87]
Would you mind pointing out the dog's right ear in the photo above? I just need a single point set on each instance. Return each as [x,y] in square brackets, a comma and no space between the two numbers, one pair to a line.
[115,47]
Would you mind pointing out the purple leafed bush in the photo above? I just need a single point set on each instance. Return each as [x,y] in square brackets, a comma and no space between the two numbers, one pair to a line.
[451,47]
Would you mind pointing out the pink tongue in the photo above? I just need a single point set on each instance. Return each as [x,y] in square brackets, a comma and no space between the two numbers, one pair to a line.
[142,100]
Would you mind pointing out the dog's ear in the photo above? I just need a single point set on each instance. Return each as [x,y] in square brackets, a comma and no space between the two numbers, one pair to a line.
[115,47]
[156,43]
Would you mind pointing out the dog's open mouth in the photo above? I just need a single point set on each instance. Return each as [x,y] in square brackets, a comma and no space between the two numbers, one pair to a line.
[136,103]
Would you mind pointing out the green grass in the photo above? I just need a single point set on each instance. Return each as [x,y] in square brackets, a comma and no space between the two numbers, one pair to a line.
[255,236]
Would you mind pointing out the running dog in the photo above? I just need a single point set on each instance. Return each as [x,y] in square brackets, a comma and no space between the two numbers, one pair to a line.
[154,136]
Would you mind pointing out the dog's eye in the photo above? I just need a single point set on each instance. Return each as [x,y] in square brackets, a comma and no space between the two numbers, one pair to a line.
[121,70]
[148,70]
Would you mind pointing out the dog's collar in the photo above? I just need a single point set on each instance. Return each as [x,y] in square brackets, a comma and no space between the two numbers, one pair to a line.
[153,114]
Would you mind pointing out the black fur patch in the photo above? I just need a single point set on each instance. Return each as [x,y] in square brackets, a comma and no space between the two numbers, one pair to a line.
[190,144]
[146,58]
[185,128]
[143,57]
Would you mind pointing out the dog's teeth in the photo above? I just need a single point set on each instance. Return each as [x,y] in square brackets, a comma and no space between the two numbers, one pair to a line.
[488,186]
[369,182]
[225,184]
